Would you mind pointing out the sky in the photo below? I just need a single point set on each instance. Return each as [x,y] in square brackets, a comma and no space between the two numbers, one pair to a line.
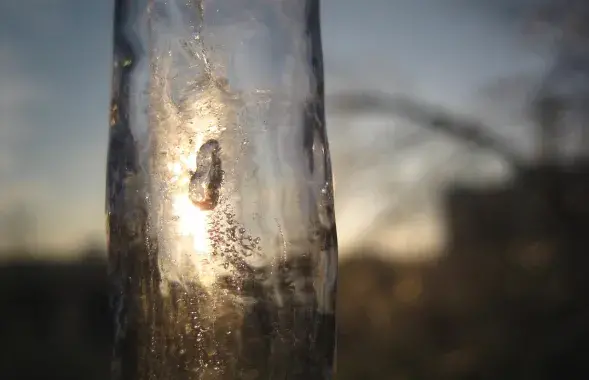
[54,93]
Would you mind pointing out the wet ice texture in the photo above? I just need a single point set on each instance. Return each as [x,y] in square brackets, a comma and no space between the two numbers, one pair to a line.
[222,236]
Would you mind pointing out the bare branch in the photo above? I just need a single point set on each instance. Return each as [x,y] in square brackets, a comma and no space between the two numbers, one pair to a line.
[425,116]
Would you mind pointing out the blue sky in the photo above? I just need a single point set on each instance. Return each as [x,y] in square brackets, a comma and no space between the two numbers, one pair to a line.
[54,88]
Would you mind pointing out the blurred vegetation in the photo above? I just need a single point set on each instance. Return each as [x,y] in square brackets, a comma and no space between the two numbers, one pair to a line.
[507,300]
[54,321]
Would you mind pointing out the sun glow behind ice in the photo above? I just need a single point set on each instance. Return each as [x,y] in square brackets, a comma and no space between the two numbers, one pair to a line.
[188,226]
[191,221]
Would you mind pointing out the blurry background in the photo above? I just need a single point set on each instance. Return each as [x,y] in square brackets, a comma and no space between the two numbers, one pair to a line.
[458,140]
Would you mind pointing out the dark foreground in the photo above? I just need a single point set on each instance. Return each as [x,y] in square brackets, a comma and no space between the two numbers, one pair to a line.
[508,299]
[455,319]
